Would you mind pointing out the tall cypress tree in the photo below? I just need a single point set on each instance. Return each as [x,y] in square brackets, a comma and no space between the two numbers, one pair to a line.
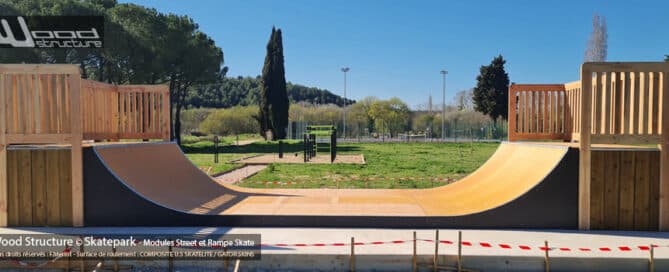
[492,89]
[279,103]
[264,100]
[274,104]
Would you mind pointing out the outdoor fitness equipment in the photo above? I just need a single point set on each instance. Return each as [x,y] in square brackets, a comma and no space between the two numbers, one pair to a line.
[326,136]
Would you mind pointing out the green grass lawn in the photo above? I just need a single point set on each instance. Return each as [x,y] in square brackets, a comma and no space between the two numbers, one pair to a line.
[386,164]
[204,161]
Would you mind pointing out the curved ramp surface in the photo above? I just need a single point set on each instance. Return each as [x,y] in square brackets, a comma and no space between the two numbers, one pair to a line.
[154,184]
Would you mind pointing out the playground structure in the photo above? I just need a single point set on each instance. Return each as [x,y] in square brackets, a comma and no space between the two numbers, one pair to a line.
[317,136]
[596,181]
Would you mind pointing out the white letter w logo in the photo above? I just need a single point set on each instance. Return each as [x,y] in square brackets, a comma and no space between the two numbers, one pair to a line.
[9,38]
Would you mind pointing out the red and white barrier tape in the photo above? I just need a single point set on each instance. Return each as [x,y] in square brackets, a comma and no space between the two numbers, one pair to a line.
[475,244]
[38,265]
[365,180]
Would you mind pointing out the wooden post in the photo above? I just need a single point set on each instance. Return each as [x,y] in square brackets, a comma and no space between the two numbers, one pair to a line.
[547,259]
[82,262]
[165,129]
[651,260]
[5,85]
[459,251]
[512,114]
[436,251]
[664,155]
[116,266]
[414,266]
[74,83]
[584,152]
[170,260]
[352,254]
[236,265]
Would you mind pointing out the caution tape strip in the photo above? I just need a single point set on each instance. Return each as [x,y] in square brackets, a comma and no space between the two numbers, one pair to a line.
[476,244]
[38,265]
[364,180]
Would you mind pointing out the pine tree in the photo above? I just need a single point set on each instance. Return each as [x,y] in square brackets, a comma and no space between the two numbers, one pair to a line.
[492,89]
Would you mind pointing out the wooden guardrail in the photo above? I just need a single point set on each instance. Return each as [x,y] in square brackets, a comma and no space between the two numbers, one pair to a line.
[125,111]
[536,112]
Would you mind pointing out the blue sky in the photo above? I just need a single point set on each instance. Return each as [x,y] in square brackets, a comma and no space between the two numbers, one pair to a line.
[397,48]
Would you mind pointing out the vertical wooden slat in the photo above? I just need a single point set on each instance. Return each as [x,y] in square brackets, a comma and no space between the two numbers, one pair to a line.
[24,188]
[512,113]
[166,115]
[12,188]
[607,95]
[654,101]
[39,102]
[4,198]
[645,90]
[546,113]
[584,152]
[38,180]
[65,188]
[597,190]
[53,205]
[612,190]
[664,158]
[116,106]
[559,113]
[642,190]
[654,191]
[613,106]
[535,112]
[521,112]
[626,180]
[76,153]
[51,103]
[15,104]
[21,109]
[627,103]
[59,103]
[29,92]
[636,98]
[599,104]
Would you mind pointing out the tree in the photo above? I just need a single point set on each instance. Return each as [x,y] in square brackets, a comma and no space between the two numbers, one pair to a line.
[390,115]
[232,121]
[492,88]
[274,104]
[597,47]
[463,100]
[666,57]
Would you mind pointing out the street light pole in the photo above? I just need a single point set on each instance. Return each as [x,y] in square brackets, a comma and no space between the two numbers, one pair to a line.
[345,70]
[443,105]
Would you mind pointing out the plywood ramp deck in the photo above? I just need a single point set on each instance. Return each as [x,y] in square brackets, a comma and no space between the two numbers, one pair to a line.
[160,174]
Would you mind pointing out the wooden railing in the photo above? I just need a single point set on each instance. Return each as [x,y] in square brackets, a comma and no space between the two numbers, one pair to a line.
[537,112]
[125,111]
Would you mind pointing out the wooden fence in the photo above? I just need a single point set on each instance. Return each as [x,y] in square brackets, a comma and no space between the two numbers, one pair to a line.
[125,111]
[51,104]
[537,112]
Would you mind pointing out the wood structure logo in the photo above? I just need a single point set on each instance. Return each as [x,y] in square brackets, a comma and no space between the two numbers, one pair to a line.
[51,31]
